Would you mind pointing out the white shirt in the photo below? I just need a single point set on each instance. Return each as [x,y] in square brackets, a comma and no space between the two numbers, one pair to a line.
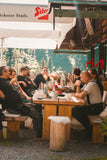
[93,92]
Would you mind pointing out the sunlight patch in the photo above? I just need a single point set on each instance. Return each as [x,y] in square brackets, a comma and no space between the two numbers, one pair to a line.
[72,61]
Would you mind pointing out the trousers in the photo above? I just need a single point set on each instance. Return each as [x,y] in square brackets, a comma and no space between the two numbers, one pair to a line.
[34,111]
[81,114]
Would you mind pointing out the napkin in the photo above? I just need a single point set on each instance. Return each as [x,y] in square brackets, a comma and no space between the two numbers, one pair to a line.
[73,98]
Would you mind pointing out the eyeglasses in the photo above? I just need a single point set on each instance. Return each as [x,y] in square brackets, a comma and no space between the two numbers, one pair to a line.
[45,70]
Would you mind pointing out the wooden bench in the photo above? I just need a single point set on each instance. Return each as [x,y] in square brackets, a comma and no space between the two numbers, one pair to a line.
[97,134]
[13,125]
[95,120]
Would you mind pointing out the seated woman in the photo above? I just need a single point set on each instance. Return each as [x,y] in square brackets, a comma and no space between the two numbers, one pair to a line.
[93,72]
[15,84]
[75,78]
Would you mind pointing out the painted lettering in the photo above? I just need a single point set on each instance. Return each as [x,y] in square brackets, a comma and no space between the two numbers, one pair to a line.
[40,11]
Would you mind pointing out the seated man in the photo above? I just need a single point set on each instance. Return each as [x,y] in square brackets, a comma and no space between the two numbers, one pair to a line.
[41,77]
[93,101]
[14,104]
[15,84]
[24,82]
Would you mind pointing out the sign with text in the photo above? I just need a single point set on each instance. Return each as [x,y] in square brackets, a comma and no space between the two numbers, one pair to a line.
[24,13]
[29,13]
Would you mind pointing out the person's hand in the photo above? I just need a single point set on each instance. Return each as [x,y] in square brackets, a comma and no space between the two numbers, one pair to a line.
[77,83]
[76,94]
[25,85]
[2,96]
[71,77]
[14,79]
[29,82]
[28,98]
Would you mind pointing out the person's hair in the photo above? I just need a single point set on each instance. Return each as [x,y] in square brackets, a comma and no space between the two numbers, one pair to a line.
[77,71]
[11,70]
[87,74]
[2,68]
[93,71]
[100,72]
[24,68]
[44,67]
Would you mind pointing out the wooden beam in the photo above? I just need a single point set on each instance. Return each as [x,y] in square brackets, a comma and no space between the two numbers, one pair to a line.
[70,51]
[81,14]
[89,26]
[79,2]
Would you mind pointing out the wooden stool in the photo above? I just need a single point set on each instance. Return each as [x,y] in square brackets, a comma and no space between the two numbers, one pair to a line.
[58,133]
[13,126]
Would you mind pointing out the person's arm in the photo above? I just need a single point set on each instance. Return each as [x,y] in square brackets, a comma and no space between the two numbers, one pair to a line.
[78,89]
[82,94]
[13,80]
[27,97]
[71,79]
[22,82]
[2,96]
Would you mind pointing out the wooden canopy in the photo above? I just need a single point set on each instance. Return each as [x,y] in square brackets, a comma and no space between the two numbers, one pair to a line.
[88,14]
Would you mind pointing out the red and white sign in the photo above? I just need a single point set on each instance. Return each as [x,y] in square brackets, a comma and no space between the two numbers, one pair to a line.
[41,13]
[24,13]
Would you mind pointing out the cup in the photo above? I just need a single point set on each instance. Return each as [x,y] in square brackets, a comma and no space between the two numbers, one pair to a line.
[73,87]
[46,90]
[68,97]
[56,94]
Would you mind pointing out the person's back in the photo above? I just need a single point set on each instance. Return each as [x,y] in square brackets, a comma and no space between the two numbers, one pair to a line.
[93,93]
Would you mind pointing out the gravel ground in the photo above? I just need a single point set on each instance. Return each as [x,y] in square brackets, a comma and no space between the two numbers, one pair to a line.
[30,148]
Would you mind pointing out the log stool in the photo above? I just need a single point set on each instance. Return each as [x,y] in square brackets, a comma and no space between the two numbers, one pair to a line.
[58,132]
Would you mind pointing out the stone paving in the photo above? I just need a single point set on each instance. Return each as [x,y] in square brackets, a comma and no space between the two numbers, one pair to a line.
[30,148]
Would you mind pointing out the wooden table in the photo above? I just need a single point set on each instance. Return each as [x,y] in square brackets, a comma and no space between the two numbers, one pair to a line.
[60,107]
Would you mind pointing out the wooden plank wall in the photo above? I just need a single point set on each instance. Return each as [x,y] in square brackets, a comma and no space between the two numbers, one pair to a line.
[100,28]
